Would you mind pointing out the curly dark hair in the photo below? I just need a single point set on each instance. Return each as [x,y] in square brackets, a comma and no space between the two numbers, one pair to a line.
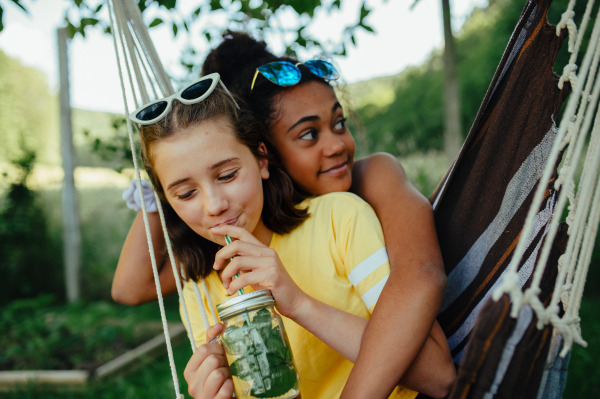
[236,60]
[279,212]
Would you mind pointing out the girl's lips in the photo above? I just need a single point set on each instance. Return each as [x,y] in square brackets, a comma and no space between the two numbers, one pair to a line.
[337,170]
[230,222]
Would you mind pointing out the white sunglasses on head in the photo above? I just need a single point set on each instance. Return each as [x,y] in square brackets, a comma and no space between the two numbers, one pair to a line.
[193,93]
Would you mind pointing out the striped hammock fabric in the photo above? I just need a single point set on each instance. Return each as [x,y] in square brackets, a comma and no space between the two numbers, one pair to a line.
[481,205]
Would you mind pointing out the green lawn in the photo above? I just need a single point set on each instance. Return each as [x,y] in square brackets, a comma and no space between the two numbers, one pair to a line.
[152,380]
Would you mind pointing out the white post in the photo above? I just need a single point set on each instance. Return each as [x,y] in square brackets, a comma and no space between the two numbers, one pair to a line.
[71,231]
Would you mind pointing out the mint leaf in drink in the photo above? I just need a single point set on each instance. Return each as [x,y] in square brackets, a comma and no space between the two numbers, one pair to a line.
[283,378]
[262,316]
[276,348]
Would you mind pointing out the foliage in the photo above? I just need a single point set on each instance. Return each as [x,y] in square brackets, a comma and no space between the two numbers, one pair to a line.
[39,335]
[153,380]
[583,378]
[30,264]
[411,118]
[114,151]
[258,17]
[28,113]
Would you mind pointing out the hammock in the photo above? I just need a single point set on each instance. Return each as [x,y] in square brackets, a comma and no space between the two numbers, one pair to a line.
[496,210]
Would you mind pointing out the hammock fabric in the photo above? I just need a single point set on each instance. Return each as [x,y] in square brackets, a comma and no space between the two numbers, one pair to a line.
[480,209]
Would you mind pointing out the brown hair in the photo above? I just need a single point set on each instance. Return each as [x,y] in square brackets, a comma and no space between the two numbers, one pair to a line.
[279,212]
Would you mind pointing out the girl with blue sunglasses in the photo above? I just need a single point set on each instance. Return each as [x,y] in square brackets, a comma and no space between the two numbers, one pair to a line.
[306,126]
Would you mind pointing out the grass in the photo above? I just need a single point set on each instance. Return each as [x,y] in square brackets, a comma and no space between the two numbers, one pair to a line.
[153,380]
[583,378]
[37,334]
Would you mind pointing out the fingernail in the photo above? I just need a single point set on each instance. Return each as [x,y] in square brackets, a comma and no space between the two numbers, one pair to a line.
[228,292]
[214,229]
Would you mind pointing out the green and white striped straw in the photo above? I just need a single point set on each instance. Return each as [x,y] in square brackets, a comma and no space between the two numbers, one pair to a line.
[228,241]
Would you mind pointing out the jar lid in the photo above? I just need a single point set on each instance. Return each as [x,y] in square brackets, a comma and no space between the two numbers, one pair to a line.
[241,302]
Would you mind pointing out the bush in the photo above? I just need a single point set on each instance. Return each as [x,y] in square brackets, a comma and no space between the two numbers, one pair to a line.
[31,257]
[38,334]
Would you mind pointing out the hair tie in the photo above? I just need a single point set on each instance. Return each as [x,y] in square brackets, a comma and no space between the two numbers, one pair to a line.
[132,196]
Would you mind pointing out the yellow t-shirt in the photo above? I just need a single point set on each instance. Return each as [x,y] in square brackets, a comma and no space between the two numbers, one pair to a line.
[337,256]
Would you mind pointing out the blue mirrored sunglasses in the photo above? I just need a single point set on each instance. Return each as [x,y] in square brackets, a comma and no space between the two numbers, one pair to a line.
[284,73]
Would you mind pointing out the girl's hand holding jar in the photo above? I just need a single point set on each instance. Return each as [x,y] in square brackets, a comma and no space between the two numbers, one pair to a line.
[261,269]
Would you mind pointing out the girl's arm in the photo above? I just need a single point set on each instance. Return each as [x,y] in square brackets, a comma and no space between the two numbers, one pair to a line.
[405,313]
[262,269]
[133,283]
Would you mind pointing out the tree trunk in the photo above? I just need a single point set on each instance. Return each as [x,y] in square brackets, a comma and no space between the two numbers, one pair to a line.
[71,231]
[452,126]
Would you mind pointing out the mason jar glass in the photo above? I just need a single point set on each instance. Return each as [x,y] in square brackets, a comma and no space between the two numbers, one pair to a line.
[257,348]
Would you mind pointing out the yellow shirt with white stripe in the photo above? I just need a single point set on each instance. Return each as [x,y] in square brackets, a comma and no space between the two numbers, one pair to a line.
[337,256]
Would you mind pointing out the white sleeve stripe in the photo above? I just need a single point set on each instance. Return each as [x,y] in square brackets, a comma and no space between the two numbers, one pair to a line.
[370,297]
[368,266]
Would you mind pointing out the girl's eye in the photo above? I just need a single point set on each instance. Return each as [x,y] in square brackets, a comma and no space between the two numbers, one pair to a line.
[341,124]
[186,195]
[311,135]
[229,176]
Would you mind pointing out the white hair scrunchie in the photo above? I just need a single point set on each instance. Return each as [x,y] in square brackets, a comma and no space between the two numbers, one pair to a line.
[132,196]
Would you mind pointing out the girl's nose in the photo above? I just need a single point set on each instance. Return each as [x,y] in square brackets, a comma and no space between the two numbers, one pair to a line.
[216,204]
[333,145]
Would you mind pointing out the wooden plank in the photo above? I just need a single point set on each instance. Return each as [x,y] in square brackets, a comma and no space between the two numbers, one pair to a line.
[127,361]
[10,379]
[150,348]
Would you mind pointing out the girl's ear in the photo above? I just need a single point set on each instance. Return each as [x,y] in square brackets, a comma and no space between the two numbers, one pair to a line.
[263,163]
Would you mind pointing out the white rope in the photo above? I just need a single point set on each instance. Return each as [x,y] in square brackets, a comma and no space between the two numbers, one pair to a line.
[127,40]
[151,83]
[572,129]
[586,187]
[531,294]
[574,45]
[134,16]
[178,395]
[508,286]
[553,308]
[121,33]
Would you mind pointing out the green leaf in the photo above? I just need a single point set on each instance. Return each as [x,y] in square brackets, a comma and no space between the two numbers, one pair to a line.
[353,39]
[276,348]
[1,19]
[284,379]
[197,11]
[336,4]
[71,30]
[215,4]
[18,3]
[168,4]
[78,2]
[208,36]
[88,22]
[156,22]
[185,25]
[262,316]
[364,11]
[367,28]
[174,26]
[97,10]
